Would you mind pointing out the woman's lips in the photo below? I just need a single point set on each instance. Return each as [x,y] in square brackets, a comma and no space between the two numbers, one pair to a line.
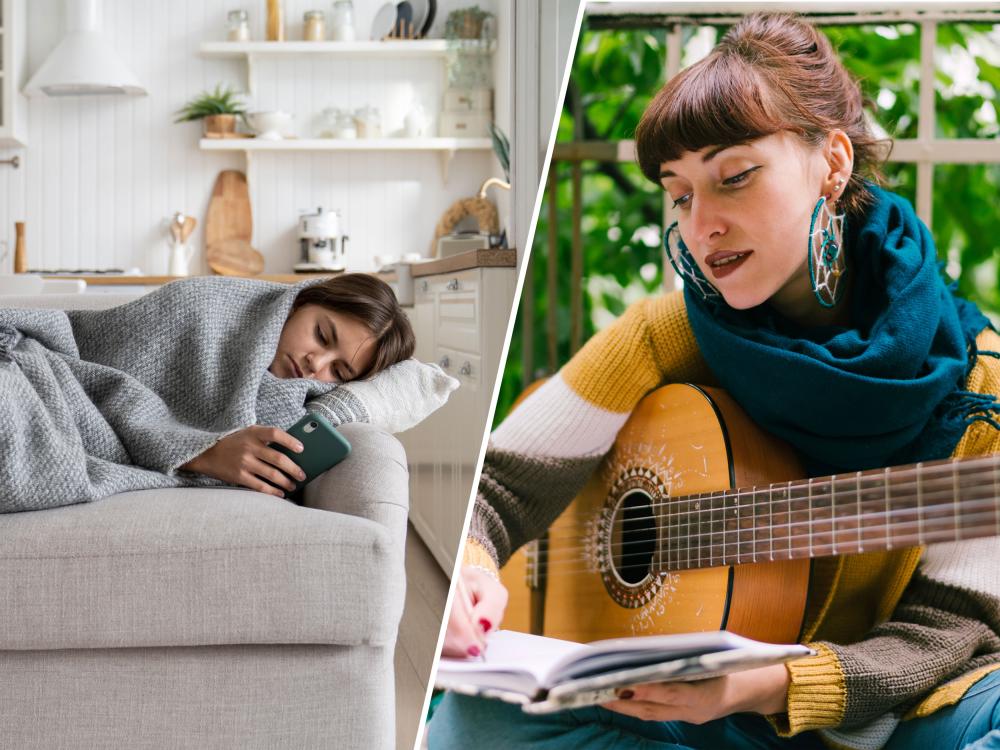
[295,367]
[725,262]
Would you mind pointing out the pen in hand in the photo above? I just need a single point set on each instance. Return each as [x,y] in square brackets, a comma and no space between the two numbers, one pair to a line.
[464,600]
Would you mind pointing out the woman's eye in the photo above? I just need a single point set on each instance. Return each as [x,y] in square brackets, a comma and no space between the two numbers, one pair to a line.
[736,179]
[683,200]
[320,336]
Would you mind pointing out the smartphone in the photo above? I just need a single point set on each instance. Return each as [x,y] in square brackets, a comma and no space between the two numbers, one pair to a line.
[323,447]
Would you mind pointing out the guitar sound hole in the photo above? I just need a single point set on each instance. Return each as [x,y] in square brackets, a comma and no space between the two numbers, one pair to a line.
[633,537]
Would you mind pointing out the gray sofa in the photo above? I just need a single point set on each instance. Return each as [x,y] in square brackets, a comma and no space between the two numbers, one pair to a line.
[207,618]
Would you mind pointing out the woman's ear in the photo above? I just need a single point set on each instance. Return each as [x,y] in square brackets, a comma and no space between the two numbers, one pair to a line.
[840,161]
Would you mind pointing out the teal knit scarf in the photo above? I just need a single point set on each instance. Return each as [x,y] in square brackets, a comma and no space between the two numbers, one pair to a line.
[888,390]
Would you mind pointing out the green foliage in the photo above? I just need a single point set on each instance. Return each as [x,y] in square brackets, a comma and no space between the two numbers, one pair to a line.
[613,78]
[221,101]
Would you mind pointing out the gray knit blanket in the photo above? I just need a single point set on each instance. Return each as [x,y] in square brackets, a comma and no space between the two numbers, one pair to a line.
[95,402]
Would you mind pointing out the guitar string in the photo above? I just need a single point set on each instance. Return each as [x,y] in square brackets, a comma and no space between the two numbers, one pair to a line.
[947,506]
[930,476]
[583,564]
[980,509]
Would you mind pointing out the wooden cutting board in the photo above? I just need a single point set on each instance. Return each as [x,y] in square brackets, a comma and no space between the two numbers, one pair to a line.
[229,227]
[236,258]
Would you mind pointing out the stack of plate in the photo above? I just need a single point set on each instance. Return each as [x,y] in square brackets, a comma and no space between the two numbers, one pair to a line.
[409,19]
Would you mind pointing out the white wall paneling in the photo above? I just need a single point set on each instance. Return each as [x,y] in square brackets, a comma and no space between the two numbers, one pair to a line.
[101,175]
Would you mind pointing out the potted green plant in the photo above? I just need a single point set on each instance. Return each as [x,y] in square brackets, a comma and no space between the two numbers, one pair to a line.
[219,110]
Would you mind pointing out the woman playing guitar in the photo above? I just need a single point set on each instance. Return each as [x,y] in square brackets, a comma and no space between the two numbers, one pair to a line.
[814,299]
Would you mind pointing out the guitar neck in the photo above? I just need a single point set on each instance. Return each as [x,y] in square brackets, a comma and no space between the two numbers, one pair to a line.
[879,509]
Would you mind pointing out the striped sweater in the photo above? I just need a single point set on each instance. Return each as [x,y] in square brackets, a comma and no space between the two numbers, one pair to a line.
[898,633]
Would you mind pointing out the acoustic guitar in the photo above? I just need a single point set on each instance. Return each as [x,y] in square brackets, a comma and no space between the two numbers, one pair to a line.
[697,520]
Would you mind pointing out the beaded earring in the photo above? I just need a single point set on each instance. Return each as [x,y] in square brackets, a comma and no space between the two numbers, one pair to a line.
[685,266]
[825,250]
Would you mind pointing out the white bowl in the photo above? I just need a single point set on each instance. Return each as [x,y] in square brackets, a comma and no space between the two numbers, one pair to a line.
[270,125]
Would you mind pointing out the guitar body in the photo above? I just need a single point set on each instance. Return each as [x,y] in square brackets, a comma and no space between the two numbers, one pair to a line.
[606,567]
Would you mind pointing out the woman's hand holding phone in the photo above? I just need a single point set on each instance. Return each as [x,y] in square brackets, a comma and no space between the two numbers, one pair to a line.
[245,459]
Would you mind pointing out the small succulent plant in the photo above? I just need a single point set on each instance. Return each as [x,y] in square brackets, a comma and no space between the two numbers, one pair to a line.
[222,101]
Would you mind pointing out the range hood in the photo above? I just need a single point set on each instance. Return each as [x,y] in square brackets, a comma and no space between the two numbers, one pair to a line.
[84,63]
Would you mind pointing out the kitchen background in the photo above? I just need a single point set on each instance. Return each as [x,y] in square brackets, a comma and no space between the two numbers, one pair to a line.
[100,176]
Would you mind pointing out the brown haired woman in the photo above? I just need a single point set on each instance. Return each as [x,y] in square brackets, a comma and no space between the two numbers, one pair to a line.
[346,328]
[814,298]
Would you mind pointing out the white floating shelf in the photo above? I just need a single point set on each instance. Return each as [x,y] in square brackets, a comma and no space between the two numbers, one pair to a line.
[354,144]
[389,48]
[445,147]
[259,52]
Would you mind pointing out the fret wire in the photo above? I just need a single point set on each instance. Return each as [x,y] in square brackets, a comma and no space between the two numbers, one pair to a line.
[954,499]
[697,507]
[886,481]
[810,528]
[788,491]
[735,557]
[861,544]
[770,526]
[753,523]
[920,513]
[833,512]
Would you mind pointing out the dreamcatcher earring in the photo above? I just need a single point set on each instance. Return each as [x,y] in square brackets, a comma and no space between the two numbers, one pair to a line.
[685,266]
[827,261]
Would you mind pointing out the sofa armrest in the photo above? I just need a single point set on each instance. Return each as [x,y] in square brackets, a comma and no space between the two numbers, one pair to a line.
[372,482]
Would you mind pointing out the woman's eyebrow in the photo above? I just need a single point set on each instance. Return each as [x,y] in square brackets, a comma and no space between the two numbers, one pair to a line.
[711,154]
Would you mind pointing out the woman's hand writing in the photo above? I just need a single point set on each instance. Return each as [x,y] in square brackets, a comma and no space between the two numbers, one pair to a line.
[245,459]
[469,622]
[763,691]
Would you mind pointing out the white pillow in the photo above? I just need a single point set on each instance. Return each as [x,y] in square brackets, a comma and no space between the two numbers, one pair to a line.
[395,399]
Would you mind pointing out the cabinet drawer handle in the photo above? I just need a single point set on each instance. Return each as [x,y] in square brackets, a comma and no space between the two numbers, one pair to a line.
[423,286]
[445,363]
[453,285]
[466,369]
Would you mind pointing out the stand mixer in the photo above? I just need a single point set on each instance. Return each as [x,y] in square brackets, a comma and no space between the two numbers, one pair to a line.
[322,246]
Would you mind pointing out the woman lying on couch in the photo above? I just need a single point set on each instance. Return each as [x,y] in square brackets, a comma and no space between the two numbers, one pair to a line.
[187,385]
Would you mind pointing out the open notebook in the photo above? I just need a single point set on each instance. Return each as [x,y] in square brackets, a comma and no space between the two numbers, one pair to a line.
[547,674]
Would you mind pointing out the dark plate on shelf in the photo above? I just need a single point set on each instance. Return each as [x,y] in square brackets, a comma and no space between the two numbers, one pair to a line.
[423,16]
[404,20]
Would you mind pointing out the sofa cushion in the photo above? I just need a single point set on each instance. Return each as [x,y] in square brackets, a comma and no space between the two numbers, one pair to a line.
[188,567]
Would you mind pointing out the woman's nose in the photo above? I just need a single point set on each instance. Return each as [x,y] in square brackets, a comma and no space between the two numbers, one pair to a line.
[706,223]
[321,362]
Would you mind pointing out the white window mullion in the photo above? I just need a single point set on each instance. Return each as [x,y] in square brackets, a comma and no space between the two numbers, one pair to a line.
[926,121]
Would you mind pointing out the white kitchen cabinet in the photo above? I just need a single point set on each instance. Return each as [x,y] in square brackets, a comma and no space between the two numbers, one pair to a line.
[13,56]
[460,320]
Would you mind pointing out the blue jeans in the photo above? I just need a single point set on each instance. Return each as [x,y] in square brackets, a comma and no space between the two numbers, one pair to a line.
[480,724]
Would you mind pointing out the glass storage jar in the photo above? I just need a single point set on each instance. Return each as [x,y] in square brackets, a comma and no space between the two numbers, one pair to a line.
[238,26]
[314,26]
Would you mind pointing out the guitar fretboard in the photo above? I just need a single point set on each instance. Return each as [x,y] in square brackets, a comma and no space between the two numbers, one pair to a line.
[880,509]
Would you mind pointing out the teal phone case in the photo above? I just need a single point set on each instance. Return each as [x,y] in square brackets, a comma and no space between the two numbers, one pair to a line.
[324,447]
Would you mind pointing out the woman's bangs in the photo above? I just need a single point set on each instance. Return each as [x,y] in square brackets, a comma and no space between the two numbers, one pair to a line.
[717,103]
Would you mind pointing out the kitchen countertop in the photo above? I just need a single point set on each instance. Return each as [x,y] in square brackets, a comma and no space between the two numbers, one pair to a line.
[463,261]
[121,280]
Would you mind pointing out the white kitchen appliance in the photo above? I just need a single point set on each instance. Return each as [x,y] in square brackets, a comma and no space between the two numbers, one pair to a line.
[322,245]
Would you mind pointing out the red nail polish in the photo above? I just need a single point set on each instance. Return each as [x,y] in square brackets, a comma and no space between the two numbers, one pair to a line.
[625,694]
[485,624]
[473,650]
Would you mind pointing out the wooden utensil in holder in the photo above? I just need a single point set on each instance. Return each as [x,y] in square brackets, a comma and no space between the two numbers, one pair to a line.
[403,30]
[20,250]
